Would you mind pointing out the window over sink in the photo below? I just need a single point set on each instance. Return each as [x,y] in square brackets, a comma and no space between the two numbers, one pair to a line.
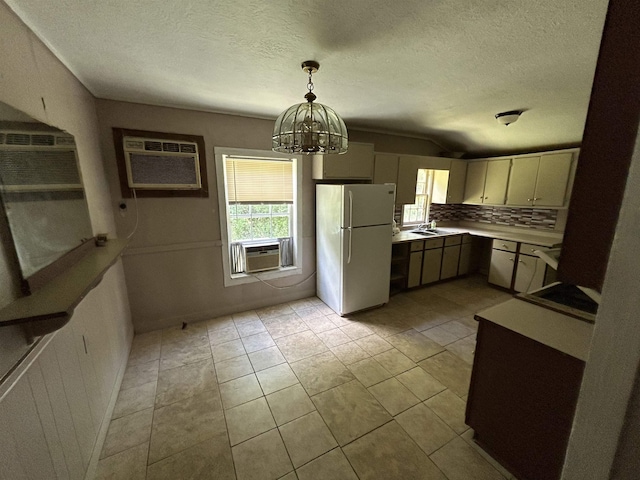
[418,212]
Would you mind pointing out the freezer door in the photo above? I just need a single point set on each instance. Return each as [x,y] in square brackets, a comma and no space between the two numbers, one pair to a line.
[366,205]
[366,268]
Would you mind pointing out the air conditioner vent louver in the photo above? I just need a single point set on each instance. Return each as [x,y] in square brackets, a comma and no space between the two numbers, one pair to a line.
[161,164]
[153,146]
[258,258]
[18,139]
[170,147]
[42,140]
[65,141]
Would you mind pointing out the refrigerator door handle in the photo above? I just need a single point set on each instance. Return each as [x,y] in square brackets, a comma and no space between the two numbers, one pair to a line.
[350,209]
[350,223]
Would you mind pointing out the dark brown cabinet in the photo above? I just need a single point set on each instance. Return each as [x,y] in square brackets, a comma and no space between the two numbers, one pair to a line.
[522,400]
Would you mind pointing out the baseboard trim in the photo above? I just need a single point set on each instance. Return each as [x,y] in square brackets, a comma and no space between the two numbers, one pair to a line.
[106,419]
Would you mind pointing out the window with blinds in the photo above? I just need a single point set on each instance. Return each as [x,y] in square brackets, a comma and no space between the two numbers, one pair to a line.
[257,180]
[260,205]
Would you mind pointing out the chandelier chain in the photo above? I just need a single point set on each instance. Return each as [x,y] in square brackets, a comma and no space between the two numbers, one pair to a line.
[310,84]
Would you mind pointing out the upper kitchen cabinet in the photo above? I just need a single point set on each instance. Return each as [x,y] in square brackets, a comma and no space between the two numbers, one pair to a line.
[448,186]
[356,164]
[540,180]
[486,182]
[385,168]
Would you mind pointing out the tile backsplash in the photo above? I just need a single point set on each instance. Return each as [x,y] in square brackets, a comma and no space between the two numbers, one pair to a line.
[539,218]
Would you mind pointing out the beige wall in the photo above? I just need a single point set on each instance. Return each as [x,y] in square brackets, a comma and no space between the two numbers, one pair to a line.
[174,262]
[50,420]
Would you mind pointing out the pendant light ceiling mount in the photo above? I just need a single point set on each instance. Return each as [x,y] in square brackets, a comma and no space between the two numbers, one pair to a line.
[310,128]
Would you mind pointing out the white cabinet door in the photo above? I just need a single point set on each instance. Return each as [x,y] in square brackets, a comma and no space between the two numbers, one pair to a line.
[407,177]
[431,262]
[522,181]
[457,177]
[501,268]
[529,273]
[450,257]
[385,168]
[495,186]
[356,163]
[474,183]
[361,161]
[553,177]
[415,267]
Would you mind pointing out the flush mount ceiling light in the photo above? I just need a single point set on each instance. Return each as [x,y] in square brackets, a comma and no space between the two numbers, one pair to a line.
[507,118]
[310,128]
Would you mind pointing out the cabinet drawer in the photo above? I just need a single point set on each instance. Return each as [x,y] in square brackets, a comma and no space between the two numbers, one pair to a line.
[505,245]
[453,240]
[433,243]
[417,246]
[528,249]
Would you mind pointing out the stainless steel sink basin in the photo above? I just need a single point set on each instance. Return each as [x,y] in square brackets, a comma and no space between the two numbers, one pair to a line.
[431,233]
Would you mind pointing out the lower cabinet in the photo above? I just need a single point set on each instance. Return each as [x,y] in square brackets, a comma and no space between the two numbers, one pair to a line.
[431,262]
[515,267]
[415,269]
[436,259]
[530,273]
[501,269]
[450,259]
[522,399]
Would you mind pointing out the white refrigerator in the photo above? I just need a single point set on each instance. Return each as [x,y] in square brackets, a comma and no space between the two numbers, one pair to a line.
[353,245]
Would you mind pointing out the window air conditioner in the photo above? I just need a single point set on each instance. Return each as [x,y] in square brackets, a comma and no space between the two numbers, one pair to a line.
[158,164]
[258,258]
[38,161]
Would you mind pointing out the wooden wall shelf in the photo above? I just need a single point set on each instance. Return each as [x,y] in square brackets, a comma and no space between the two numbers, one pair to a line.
[51,306]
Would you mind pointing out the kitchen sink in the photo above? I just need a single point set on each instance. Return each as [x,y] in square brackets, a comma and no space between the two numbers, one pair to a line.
[430,233]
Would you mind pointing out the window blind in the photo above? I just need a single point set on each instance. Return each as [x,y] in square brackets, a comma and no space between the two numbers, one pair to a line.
[259,180]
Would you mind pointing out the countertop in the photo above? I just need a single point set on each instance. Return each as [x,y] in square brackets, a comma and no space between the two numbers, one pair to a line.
[556,330]
[546,239]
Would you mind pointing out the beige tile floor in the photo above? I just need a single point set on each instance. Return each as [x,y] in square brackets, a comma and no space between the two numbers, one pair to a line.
[295,391]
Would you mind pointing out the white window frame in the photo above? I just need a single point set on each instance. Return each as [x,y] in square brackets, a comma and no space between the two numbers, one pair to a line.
[242,278]
[429,197]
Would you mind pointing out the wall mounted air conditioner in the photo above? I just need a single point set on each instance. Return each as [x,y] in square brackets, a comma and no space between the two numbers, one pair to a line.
[258,258]
[157,164]
[38,161]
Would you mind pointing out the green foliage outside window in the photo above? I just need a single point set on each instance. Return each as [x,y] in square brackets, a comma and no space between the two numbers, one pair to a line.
[259,221]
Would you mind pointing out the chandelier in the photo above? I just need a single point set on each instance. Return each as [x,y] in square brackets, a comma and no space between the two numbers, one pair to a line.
[310,128]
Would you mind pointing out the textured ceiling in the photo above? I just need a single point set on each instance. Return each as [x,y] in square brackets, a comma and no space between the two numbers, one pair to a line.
[428,68]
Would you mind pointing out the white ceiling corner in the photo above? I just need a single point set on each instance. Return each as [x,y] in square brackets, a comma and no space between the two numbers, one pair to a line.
[437,69]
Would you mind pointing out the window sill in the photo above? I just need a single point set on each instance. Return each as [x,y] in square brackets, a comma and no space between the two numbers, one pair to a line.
[242,278]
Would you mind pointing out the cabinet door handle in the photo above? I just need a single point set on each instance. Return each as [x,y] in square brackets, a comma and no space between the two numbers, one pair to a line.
[537,198]
[520,261]
[529,199]
[505,246]
[512,259]
[486,198]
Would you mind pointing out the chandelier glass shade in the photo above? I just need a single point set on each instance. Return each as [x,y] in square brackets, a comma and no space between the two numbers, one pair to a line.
[310,128]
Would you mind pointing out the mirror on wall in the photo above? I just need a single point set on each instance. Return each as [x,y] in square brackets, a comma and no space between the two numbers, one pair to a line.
[41,192]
